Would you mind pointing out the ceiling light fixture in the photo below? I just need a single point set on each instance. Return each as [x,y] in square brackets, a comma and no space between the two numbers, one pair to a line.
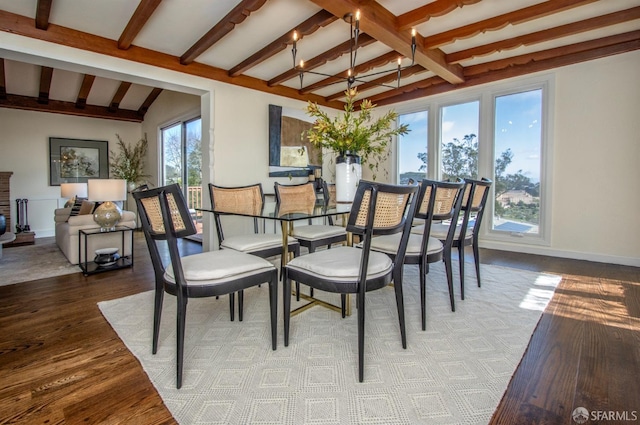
[351,78]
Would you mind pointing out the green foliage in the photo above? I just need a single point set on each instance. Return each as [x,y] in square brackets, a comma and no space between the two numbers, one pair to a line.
[128,164]
[355,133]
[460,158]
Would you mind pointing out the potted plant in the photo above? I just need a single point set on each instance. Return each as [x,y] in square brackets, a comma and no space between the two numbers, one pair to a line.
[128,164]
[356,138]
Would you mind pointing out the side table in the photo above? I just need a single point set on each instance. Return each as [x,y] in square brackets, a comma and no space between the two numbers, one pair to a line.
[6,238]
[90,267]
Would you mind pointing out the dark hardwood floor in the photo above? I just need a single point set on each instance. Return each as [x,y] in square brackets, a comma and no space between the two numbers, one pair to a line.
[61,362]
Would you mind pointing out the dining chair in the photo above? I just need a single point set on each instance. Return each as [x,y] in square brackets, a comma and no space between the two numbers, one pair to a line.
[166,218]
[476,193]
[435,200]
[310,236]
[378,209]
[246,200]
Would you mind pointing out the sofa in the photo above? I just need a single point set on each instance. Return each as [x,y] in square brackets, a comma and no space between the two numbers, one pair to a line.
[67,229]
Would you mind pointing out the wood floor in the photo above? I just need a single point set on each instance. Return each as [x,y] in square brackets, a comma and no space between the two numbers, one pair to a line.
[61,363]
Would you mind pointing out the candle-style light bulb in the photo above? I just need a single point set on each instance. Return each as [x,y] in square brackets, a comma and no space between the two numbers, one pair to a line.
[301,63]
[413,45]
[294,50]
[357,15]
[399,61]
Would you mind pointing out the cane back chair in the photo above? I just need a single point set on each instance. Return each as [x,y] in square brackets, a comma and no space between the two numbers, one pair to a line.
[165,218]
[378,209]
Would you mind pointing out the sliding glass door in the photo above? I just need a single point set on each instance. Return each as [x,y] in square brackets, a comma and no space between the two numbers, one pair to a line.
[182,162]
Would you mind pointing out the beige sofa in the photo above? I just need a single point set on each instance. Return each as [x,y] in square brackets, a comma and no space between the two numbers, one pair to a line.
[67,235]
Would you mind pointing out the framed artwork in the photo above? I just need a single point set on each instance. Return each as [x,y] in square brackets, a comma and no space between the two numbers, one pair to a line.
[76,161]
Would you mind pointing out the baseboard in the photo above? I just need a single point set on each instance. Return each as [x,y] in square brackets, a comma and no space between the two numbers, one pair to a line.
[574,255]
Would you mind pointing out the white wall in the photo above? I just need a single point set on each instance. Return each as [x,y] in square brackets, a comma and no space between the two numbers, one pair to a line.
[24,149]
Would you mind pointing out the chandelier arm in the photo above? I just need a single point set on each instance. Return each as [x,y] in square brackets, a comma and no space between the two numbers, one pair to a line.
[388,71]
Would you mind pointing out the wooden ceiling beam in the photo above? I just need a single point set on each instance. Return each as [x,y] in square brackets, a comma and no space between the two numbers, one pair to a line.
[321,59]
[149,101]
[3,83]
[359,69]
[518,66]
[382,25]
[68,108]
[85,89]
[320,19]
[43,10]
[24,26]
[432,10]
[237,15]
[46,74]
[120,93]
[547,35]
[519,16]
[140,17]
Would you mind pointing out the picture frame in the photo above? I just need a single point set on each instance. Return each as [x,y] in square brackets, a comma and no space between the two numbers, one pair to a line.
[77,160]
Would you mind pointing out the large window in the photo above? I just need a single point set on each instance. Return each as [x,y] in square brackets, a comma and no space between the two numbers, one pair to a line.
[182,161]
[495,133]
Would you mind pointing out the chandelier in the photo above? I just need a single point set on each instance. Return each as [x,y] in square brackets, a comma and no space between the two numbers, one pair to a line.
[351,78]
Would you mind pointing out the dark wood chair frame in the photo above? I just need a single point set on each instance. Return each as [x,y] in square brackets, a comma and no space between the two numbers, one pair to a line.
[293,245]
[363,284]
[180,289]
[466,238]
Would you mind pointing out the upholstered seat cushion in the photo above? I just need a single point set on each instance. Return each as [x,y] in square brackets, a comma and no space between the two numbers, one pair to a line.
[211,267]
[341,264]
[253,242]
[389,244]
[318,231]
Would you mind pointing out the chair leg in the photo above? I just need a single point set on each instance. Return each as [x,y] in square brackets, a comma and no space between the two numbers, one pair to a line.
[360,304]
[476,259]
[423,295]
[181,319]
[461,261]
[157,315]
[343,304]
[397,286]
[286,305]
[447,266]
[273,306]
[240,304]
[232,303]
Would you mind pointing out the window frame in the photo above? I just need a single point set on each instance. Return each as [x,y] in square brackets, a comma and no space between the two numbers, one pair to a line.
[486,96]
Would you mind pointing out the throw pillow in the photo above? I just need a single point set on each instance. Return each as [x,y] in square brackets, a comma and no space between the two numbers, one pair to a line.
[86,208]
[77,204]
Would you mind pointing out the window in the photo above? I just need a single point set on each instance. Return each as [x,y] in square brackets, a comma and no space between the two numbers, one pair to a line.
[517,141]
[497,132]
[182,162]
[412,148]
[459,140]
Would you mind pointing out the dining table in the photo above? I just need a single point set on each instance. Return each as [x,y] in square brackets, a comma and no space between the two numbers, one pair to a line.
[289,213]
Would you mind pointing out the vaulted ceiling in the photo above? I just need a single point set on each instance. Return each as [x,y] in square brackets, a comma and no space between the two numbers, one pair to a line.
[459,43]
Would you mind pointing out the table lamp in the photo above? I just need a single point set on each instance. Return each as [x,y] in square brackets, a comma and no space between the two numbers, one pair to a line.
[107,191]
[72,191]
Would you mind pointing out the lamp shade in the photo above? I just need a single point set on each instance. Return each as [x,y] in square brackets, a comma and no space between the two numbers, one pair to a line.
[73,190]
[107,189]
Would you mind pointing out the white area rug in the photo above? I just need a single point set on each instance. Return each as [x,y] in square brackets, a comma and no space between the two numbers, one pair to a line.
[31,262]
[455,372]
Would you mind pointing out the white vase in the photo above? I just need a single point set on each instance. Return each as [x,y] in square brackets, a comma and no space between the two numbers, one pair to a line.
[348,175]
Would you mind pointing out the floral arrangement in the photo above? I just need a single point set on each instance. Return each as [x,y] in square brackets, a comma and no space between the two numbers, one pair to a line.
[128,164]
[354,133]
